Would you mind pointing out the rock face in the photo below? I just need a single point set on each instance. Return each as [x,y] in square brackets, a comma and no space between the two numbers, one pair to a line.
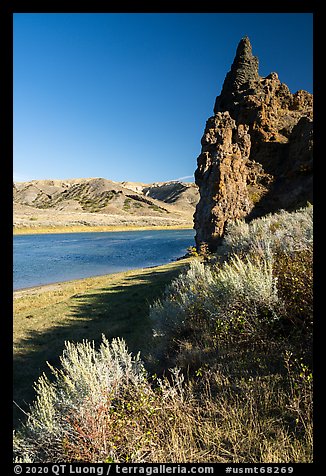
[256,153]
[222,177]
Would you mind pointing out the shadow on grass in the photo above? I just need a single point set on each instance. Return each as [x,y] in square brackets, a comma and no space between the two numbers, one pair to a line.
[119,310]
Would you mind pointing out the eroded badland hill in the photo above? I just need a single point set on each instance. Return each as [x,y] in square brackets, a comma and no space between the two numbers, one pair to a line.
[102,202]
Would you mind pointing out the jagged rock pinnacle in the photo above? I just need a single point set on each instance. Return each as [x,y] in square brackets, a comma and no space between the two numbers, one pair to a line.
[244,70]
[245,65]
[244,48]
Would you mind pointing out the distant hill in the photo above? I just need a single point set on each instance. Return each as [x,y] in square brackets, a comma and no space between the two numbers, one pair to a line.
[100,202]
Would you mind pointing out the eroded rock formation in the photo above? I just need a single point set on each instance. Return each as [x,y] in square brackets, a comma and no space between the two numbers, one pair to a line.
[222,177]
[256,152]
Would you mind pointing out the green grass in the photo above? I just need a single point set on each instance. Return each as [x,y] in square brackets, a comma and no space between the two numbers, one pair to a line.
[156,208]
[126,205]
[116,305]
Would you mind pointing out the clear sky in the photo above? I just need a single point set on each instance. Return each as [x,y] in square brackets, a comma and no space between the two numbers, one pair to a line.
[126,96]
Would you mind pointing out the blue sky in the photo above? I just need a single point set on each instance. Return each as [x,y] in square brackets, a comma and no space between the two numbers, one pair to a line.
[126,96]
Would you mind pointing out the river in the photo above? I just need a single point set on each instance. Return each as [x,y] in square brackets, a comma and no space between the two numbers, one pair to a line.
[51,258]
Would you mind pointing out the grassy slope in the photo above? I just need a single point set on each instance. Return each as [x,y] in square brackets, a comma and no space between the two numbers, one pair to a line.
[116,305]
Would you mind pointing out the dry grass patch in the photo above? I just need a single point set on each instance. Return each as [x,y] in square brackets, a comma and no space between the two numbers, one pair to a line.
[26,230]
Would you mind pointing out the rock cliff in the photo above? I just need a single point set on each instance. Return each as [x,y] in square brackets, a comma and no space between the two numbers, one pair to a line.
[256,154]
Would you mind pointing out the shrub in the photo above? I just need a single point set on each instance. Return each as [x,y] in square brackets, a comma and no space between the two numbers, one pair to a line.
[101,407]
[266,282]
[294,274]
[68,411]
[295,284]
[283,231]
[248,282]
[188,291]
[213,302]
[212,289]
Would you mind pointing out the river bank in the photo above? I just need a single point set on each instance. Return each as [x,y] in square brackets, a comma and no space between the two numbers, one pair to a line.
[47,316]
[40,230]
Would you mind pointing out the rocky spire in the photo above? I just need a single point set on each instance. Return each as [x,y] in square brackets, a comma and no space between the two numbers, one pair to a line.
[244,71]
[256,155]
